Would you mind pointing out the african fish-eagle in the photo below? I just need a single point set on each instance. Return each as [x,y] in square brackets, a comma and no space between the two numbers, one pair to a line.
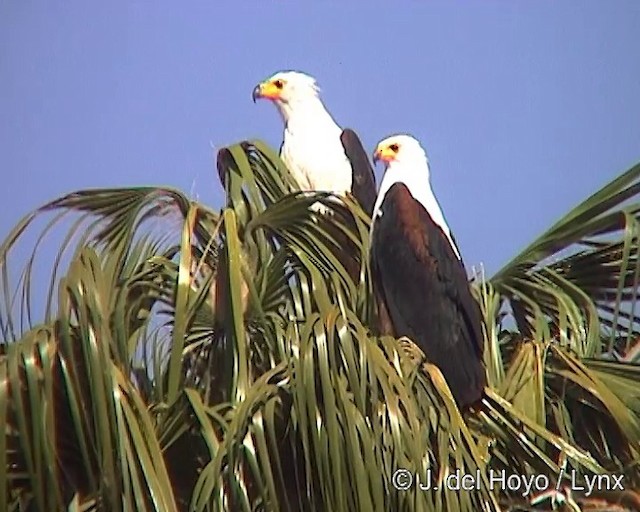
[320,155]
[420,283]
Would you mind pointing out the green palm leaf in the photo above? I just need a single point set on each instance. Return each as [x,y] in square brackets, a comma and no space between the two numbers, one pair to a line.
[196,360]
[578,281]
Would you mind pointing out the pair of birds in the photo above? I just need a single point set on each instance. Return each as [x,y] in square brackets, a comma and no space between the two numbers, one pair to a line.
[419,279]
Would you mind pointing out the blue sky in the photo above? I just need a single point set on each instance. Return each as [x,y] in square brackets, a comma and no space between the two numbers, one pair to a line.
[525,108]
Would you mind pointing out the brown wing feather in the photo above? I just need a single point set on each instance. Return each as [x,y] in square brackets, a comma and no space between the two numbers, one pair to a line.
[363,186]
[426,292]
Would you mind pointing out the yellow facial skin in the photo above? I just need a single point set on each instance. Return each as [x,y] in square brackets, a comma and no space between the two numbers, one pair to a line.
[386,152]
[270,89]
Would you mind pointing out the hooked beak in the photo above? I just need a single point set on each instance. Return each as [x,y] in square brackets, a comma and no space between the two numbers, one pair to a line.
[376,156]
[257,93]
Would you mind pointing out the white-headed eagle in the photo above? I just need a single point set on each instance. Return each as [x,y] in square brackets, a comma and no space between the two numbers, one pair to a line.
[419,279]
[320,155]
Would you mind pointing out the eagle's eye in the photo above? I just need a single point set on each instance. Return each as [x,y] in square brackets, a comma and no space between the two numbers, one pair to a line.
[394,148]
[279,84]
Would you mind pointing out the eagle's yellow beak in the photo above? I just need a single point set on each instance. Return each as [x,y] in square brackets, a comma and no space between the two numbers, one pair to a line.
[269,90]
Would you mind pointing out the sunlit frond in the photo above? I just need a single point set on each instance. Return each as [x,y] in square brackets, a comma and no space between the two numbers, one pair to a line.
[186,359]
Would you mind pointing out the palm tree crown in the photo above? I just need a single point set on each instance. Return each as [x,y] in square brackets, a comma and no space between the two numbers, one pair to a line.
[194,359]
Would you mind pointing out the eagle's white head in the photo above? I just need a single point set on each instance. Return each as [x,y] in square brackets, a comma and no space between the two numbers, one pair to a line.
[404,160]
[311,146]
[289,90]
[401,151]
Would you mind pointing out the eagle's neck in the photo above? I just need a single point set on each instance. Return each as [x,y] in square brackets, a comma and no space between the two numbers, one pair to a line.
[302,113]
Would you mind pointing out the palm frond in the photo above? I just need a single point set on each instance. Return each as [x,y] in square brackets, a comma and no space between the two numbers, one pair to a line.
[78,425]
[579,279]
[195,360]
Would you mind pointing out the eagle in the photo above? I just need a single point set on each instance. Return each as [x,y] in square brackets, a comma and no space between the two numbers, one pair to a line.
[320,155]
[419,280]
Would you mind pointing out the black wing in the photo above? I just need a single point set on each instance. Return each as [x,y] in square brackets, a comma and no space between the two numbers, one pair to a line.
[363,187]
[426,292]
[224,161]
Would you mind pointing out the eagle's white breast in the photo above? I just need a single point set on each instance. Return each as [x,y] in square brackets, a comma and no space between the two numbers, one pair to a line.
[314,154]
